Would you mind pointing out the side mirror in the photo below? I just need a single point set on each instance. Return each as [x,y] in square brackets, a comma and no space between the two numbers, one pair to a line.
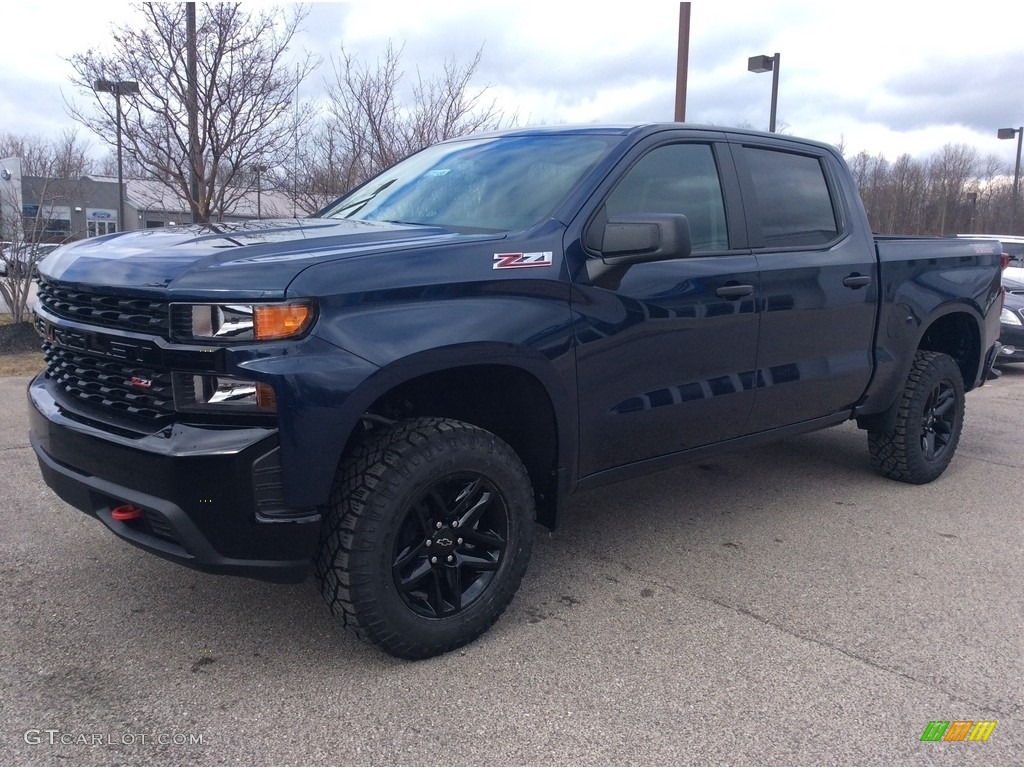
[636,239]
[646,237]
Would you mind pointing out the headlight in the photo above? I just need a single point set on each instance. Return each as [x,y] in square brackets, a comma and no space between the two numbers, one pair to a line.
[226,323]
[223,394]
[1008,317]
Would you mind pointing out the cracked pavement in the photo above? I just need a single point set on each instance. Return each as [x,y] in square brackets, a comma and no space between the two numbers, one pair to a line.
[775,606]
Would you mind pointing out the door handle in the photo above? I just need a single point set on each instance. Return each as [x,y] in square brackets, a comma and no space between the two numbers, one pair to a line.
[734,291]
[856,281]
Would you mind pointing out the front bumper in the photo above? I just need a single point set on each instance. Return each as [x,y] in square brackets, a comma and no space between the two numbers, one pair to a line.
[210,496]
[1011,344]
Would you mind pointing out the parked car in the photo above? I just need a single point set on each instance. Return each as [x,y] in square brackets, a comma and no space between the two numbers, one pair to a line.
[1013,246]
[394,391]
[1011,323]
[25,257]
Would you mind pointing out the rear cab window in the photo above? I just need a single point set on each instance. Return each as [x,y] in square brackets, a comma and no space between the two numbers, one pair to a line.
[795,206]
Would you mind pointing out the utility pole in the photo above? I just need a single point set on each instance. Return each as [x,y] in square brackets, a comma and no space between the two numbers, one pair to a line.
[682,61]
[193,113]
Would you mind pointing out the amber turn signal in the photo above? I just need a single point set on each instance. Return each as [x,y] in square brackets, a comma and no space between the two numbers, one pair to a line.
[280,321]
[266,399]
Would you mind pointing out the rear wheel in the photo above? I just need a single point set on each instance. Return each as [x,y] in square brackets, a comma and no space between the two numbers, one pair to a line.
[427,536]
[928,420]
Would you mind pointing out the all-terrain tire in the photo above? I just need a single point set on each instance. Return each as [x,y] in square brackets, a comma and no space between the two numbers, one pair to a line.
[426,536]
[928,419]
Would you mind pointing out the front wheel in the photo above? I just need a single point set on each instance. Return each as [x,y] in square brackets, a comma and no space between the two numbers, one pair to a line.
[928,420]
[427,535]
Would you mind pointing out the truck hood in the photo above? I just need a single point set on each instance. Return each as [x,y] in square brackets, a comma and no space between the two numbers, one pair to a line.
[251,259]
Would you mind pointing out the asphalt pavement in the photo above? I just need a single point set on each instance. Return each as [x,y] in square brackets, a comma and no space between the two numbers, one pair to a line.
[778,606]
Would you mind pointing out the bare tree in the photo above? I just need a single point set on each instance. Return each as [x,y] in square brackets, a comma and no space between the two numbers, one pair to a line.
[67,157]
[47,173]
[375,126]
[872,178]
[246,93]
[994,197]
[130,166]
[27,233]
[14,283]
[907,177]
[998,212]
[949,173]
[322,170]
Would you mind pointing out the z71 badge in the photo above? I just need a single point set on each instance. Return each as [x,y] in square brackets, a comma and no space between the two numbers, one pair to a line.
[522,260]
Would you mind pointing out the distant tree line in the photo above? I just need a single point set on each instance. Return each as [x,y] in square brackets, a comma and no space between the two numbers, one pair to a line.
[954,191]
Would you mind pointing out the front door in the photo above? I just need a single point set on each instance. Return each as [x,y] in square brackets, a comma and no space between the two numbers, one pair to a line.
[666,358]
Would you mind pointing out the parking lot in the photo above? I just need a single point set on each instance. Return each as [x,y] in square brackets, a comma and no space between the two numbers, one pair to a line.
[779,606]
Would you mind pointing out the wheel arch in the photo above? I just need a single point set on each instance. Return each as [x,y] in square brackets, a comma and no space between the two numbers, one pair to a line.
[957,334]
[517,397]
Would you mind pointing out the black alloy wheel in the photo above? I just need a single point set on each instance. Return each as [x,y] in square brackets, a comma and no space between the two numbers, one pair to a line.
[426,537]
[924,424]
[938,420]
[450,545]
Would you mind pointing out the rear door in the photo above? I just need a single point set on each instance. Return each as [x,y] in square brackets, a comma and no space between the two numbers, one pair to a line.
[666,352]
[819,283]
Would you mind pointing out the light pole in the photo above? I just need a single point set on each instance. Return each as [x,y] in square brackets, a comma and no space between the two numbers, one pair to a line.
[118,88]
[1009,133]
[768,64]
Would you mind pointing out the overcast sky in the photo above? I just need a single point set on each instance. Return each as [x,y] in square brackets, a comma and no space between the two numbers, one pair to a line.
[885,77]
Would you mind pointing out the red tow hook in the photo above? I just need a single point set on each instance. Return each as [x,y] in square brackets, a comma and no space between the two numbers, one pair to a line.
[126,512]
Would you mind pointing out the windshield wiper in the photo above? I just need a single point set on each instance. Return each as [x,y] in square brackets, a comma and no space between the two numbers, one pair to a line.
[355,206]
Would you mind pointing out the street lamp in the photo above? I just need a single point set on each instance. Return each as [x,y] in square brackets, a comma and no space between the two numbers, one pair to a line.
[118,88]
[768,64]
[1009,133]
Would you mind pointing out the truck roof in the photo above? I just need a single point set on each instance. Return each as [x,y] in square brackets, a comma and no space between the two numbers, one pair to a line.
[637,130]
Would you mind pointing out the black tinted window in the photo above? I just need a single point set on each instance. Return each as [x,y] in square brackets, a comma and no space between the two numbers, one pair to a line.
[793,198]
[681,178]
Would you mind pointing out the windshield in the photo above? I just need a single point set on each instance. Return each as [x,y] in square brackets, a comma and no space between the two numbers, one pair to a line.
[492,185]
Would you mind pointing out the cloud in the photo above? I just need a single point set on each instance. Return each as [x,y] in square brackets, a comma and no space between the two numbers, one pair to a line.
[975,94]
[895,76]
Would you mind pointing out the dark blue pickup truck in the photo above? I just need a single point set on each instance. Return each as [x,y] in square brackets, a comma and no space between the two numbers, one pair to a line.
[395,390]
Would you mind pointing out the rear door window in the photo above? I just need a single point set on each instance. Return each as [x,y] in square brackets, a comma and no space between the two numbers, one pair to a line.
[794,203]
